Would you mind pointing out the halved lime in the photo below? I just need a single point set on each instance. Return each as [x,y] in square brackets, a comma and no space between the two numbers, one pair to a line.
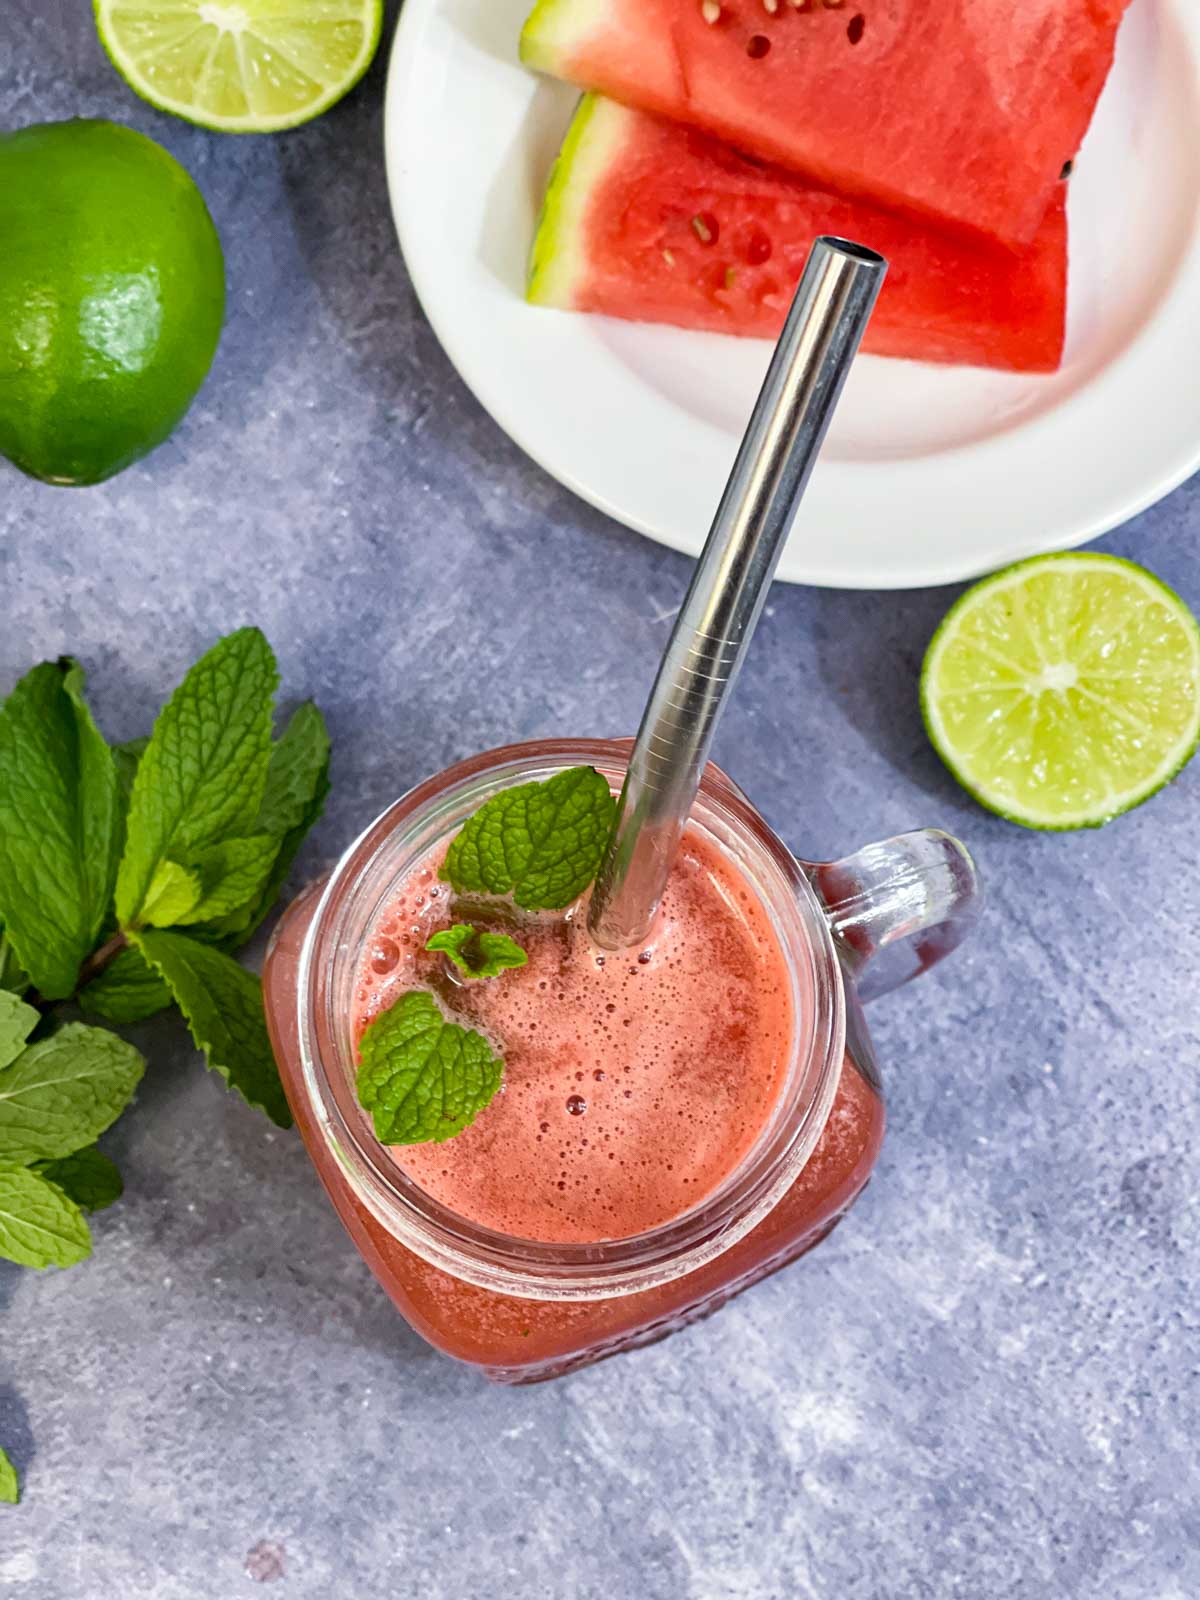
[1064,690]
[241,66]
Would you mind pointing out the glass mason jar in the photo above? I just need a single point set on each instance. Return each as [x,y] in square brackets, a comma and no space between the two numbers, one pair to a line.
[522,1309]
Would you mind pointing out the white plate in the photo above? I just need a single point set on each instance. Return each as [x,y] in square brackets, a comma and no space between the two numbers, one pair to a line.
[930,474]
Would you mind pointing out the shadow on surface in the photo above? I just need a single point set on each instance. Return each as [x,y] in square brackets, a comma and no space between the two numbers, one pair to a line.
[869,649]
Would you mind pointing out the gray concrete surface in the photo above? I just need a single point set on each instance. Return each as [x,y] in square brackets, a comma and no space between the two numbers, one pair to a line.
[984,1385]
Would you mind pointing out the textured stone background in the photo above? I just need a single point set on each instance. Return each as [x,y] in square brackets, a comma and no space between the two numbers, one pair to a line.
[984,1385]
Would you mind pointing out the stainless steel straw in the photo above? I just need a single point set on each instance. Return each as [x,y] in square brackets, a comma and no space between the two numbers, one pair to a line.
[820,339]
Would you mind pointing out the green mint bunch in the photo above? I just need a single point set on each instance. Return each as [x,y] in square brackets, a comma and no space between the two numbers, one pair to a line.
[128,877]
[423,1077]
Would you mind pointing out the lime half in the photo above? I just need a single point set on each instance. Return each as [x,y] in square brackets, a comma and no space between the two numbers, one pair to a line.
[1064,690]
[241,66]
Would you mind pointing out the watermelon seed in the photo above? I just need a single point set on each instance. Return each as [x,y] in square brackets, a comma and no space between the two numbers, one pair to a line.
[706,227]
[1068,169]
[833,5]
[730,277]
[668,258]
[710,11]
[758,46]
[858,26]
[770,7]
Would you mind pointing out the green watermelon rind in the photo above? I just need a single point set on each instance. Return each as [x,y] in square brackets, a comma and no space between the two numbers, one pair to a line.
[558,257]
[551,29]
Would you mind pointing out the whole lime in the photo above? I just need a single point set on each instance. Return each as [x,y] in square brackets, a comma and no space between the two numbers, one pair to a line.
[112,293]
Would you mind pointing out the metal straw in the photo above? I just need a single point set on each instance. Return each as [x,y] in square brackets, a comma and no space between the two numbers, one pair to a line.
[820,338]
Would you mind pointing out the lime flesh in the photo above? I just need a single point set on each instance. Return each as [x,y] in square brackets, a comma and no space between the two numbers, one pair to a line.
[241,66]
[1064,690]
[112,294]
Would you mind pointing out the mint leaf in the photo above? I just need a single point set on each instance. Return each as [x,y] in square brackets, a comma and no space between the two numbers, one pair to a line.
[297,786]
[63,1091]
[127,756]
[88,1178]
[128,990]
[39,1226]
[174,891]
[478,955]
[13,976]
[422,1078]
[201,778]
[222,1003]
[59,825]
[231,876]
[10,1490]
[17,1022]
[540,842]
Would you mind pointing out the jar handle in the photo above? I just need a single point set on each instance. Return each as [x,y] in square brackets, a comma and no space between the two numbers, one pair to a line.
[896,908]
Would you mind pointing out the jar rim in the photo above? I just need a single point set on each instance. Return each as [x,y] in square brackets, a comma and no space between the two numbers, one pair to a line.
[472,1252]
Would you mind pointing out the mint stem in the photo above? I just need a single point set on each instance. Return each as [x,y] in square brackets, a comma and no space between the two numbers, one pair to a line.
[99,959]
[91,968]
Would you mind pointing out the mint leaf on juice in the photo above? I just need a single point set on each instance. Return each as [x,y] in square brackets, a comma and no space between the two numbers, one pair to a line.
[10,1489]
[201,778]
[222,1004]
[478,955]
[17,1022]
[128,990]
[422,1078]
[88,1178]
[59,826]
[540,842]
[62,1092]
[39,1226]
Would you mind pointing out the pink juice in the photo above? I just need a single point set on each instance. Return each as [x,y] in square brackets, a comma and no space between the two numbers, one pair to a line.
[633,1085]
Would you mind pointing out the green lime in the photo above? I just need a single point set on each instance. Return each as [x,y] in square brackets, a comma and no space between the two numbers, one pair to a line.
[112,291]
[241,66]
[1064,690]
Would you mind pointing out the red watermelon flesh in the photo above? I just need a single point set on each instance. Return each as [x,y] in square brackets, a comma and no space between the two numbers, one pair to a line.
[964,111]
[651,220]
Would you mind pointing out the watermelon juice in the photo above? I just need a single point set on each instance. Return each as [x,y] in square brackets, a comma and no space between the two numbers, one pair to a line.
[674,1122]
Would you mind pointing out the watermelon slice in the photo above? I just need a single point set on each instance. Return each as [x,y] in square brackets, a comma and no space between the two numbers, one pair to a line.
[654,221]
[960,110]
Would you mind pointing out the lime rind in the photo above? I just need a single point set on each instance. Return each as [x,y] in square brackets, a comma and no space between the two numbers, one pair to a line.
[276,66]
[1065,690]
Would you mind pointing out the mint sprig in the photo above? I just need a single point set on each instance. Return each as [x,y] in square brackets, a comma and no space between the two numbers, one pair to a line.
[88,1178]
[59,826]
[127,874]
[540,842]
[423,1078]
[478,955]
[39,1225]
[63,1092]
[127,990]
[10,1489]
[201,778]
[222,1004]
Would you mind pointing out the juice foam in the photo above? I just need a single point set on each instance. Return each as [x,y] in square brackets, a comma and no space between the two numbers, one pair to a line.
[634,1085]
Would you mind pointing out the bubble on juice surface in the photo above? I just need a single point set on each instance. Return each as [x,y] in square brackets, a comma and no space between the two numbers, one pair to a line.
[385,955]
[576,1105]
